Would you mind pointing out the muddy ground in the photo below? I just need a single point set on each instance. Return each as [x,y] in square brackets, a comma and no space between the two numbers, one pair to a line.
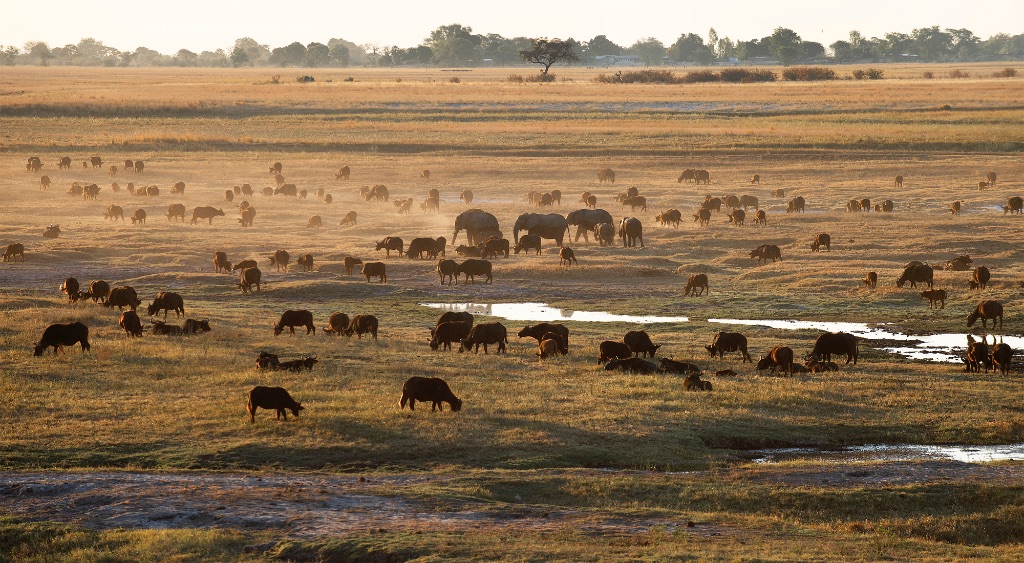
[310,506]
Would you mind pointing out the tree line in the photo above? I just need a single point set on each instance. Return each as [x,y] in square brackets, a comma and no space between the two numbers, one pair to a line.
[458,45]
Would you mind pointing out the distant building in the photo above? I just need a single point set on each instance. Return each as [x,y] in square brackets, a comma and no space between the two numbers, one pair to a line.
[618,60]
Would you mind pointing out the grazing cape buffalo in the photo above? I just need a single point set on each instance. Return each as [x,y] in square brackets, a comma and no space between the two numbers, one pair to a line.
[697,284]
[766,252]
[130,323]
[835,343]
[429,389]
[59,335]
[250,277]
[390,243]
[292,319]
[986,310]
[272,398]
[486,333]
[539,330]
[444,334]
[640,343]
[168,300]
[363,324]
[611,350]
[375,269]
[914,273]
[729,342]
[206,212]
[337,323]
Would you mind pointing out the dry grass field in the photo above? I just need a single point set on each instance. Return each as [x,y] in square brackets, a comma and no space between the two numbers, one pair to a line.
[552,459]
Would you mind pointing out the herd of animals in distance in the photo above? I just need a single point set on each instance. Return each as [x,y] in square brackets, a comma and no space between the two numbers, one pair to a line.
[486,241]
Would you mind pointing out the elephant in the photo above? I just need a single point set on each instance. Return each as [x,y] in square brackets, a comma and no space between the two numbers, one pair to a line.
[474,222]
[550,226]
[586,219]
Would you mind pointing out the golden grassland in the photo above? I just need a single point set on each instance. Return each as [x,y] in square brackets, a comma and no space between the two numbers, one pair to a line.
[166,404]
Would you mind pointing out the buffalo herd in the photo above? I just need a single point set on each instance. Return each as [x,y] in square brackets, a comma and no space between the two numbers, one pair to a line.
[634,353]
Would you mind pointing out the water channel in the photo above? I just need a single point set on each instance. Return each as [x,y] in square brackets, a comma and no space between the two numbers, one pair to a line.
[933,347]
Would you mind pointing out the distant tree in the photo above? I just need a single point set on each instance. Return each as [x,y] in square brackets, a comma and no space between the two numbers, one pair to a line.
[931,43]
[754,48]
[966,46]
[317,55]
[547,52]
[896,44]
[650,50]
[239,57]
[90,52]
[454,44]
[501,50]
[292,54]
[8,55]
[600,46]
[255,53]
[712,43]
[213,59]
[346,53]
[812,50]
[842,51]
[39,53]
[144,56]
[726,49]
[184,57]
[785,45]
[339,55]
[691,48]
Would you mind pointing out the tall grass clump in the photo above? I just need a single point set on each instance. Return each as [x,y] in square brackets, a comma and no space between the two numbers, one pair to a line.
[540,77]
[701,76]
[959,74]
[870,74]
[639,77]
[1005,73]
[808,73]
[747,76]
[515,78]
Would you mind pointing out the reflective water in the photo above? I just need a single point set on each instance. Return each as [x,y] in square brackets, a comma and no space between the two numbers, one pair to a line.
[897,452]
[933,347]
[541,312]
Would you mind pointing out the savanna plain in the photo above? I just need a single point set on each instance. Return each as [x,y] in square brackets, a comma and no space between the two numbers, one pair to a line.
[141,449]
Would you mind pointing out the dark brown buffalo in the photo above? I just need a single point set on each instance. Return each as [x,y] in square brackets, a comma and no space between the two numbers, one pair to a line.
[448,269]
[780,358]
[445,333]
[99,290]
[350,263]
[766,252]
[672,366]
[640,343]
[193,326]
[493,247]
[244,264]
[539,330]
[391,243]
[272,398]
[122,297]
[980,278]
[697,284]
[292,319]
[375,269]
[566,257]
[70,287]
[168,300]
[986,310]
[729,342]
[871,279]
[250,277]
[206,212]
[13,251]
[486,333]
[836,343]
[528,242]
[176,210]
[693,382]
[633,365]
[796,205]
[977,355]
[915,273]
[670,217]
[1002,357]
[130,323]
[363,324]
[702,217]
[220,262]
[473,267]
[419,247]
[631,231]
[711,204]
[823,239]
[162,328]
[429,389]
[297,365]
[610,350]
[337,323]
[305,262]
[935,296]
[279,259]
[59,335]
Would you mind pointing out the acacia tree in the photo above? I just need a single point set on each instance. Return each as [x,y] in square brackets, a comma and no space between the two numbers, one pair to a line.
[548,52]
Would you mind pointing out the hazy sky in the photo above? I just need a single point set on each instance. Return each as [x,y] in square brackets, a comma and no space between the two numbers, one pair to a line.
[213,24]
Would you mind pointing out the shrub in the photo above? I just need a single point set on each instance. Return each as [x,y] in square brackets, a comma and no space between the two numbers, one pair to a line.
[1005,73]
[454,80]
[928,74]
[747,76]
[640,77]
[350,79]
[518,78]
[959,74]
[276,79]
[871,74]
[305,79]
[540,78]
[808,73]
[700,76]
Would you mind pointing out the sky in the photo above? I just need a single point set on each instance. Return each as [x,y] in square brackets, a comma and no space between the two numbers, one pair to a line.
[199,25]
